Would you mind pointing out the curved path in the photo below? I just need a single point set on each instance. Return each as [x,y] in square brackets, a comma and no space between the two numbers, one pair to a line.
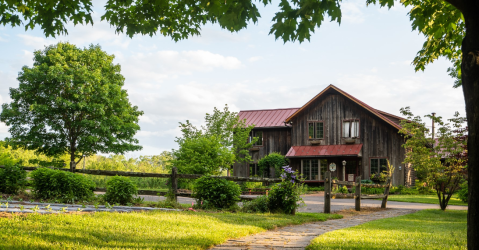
[298,237]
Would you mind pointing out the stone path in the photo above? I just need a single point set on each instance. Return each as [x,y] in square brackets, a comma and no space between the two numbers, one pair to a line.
[47,208]
[298,237]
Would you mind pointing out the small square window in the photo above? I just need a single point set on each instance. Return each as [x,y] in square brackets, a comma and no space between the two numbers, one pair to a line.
[258,134]
[315,130]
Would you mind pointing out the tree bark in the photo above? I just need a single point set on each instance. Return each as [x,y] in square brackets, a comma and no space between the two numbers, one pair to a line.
[470,86]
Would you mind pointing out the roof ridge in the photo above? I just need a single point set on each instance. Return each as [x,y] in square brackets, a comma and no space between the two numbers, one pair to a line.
[354,99]
[252,110]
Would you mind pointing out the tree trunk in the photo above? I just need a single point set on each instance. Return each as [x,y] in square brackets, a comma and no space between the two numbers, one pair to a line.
[470,86]
[72,162]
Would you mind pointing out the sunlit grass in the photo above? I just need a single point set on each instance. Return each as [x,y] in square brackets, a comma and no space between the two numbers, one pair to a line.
[429,199]
[427,229]
[145,230]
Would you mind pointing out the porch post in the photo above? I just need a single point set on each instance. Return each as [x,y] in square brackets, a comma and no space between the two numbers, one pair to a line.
[327,193]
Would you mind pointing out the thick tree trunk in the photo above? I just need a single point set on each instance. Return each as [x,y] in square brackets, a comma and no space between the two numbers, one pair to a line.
[72,162]
[470,86]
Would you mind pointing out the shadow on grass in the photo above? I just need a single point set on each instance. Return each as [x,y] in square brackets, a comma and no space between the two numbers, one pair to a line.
[153,230]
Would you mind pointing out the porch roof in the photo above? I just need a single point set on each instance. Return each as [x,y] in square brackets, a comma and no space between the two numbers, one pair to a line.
[325,150]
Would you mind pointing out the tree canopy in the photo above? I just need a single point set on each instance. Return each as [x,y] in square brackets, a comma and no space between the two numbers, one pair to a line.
[71,101]
[222,141]
[442,160]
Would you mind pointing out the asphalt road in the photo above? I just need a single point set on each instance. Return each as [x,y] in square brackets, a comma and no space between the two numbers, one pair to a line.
[315,203]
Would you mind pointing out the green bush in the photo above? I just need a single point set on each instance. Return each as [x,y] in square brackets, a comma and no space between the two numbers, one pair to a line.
[216,192]
[463,193]
[367,190]
[251,185]
[12,179]
[274,160]
[258,205]
[62,185]
[120,189]
[367,181]
[320,188]
[284,196]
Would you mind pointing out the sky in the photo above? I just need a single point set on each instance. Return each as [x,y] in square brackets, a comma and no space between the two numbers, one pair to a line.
[368,55]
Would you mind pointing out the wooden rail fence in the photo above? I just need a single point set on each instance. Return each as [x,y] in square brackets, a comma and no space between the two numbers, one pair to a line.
[174,176]
[357,194]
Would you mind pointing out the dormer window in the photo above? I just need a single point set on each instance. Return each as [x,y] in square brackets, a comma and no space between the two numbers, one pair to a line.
[351,128]
[315,130]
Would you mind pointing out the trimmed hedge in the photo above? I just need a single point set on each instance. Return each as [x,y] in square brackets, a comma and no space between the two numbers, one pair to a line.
[215,192]
[61,185]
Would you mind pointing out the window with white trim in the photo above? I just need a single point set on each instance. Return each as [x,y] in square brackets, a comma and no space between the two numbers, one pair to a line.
[351,129]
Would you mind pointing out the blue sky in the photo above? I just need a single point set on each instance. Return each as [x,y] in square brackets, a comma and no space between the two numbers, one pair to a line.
[369,56]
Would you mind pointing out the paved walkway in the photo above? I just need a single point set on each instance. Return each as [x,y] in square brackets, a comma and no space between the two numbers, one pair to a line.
[298,237]
[315,203]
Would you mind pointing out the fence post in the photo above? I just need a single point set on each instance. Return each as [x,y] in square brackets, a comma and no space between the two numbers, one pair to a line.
[327,193]
[357,197]
[386,194]
[174,183]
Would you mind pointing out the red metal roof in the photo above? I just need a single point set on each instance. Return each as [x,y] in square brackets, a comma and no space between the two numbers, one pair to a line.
[325,150]
[354,99]
[266,117]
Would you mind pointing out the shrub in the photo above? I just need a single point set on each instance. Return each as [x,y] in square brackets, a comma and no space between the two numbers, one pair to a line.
[258,205]
[367,181]
[251,185]
[274,160]
[12,179]
[120,189]
[463,193]
[367,190]
[57,184]
[216,192]
[320,188]
[284,197]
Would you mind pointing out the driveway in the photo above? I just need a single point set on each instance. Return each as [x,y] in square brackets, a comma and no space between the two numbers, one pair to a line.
[315,203]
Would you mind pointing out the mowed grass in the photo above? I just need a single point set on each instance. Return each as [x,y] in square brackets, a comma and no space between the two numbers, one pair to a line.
[145,230]
[427,229]
[430,199]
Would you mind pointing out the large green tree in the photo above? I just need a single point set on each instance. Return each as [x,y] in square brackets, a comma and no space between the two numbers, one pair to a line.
[451,29]
[71,101]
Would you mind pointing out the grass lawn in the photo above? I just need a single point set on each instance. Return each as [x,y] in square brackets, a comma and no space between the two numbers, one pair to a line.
[427,229]
[431,199]
[145,230]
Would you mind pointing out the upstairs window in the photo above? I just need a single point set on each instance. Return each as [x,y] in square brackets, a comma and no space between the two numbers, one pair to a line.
[259,134]
[315,130]
[351,128]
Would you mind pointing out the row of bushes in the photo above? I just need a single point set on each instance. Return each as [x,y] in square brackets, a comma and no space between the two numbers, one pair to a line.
[64,186]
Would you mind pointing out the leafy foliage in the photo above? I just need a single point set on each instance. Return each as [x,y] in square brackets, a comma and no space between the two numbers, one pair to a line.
[284,196]
[120,189]
[463,193]
[274,160]
[216,193]
[12,179]
[62,185]
[71,101]
[214,147]
[443,162]
[258,205]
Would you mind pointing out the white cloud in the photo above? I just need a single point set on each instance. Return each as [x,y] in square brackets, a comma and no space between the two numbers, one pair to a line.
[255,58]
[352,11]
[3,128]
[149,69]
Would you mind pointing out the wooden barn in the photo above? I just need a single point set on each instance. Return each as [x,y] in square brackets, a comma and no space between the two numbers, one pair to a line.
[332,129]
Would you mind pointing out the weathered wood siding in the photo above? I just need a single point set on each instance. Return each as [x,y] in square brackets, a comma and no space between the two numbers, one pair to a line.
[274,140]
[379,138]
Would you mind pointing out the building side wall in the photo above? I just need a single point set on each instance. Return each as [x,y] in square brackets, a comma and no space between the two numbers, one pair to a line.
[274,140]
